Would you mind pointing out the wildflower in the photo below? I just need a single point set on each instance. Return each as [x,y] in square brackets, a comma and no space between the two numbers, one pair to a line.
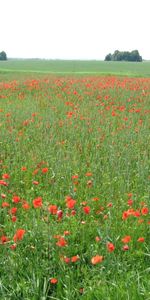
[110,247]
[16,199]
[74,177]
[53,209]
[144,211]
[88,174]
[61,242]
[97,239]
[13,210]
[125,248]
[19,235]
[13,246]
[97,259]
[4,239]
[5,176]
[86,210]
[2,182]
[141,239]
[23,169]
[44,170]
[71,203]
[59,214]
[5,204]
[14,218]
[75,258]
[25,205]
[37,202]
[126,239]
[53,280]
[35,182]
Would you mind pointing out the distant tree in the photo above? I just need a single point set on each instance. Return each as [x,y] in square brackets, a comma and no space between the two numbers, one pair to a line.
[135,56]
[108,57]
[3,55]
[124,56]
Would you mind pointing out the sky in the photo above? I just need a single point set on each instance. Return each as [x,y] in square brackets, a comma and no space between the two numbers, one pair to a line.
[74,29]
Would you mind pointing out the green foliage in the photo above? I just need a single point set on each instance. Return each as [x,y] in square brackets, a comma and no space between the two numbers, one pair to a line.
[3,55]
[124,56]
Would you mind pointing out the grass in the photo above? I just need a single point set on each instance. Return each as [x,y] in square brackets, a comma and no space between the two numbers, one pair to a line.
[80,67]
[74,187]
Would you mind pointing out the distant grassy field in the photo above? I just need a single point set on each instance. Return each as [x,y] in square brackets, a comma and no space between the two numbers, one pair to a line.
[63,66]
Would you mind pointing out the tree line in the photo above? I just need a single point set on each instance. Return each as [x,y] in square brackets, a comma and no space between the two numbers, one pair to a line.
[124,56]
[3,55]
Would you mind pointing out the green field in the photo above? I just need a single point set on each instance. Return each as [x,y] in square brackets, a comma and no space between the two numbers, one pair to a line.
[62,66]
[74,180]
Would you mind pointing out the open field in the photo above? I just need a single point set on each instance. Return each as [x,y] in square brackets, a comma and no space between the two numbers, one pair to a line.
[80,67]
[74,183]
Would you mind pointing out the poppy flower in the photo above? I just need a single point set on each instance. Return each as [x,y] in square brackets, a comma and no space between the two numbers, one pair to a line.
[5,204]
[125,248]
[144,211]
[61,242]
[74,258]
[16,199]
[86,210]
[4,239]
[126,239]
[71,203]
[53,209]
[2,182]
[110,247]
[5,176]
[19,235]
[141,240]
[53,280]
[37,202]
[97,259]
[44,170]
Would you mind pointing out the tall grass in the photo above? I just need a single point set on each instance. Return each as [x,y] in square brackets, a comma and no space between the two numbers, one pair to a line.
[74,188]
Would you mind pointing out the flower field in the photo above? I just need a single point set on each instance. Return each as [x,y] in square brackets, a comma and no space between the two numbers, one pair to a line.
[74,188]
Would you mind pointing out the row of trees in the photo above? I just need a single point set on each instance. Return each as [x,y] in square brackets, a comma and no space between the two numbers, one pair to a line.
[3,55]
[124,56]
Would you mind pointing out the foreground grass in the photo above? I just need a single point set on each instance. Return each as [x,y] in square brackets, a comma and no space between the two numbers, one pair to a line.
[75,188]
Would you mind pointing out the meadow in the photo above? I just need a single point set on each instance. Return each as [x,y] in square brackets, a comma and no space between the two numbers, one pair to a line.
[74,184]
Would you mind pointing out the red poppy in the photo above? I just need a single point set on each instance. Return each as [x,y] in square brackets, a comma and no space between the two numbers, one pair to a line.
[110,247]
[53,209]
[4,239]
[5,204]
[144,211]
[71,203]
[37,202]
[2,182]
[75,258]
[97,259]
[16,199]
[53,280]
[141,239]
[126,239]
[5,176]
[19,235]
[44,170]
[86,210]
[61,242]
[25,205]
[125,248]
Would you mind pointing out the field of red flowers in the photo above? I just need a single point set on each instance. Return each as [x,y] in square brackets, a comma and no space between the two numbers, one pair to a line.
[74,188]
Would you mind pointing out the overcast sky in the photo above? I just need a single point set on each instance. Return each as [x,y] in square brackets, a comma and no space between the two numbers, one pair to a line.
[74,29]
